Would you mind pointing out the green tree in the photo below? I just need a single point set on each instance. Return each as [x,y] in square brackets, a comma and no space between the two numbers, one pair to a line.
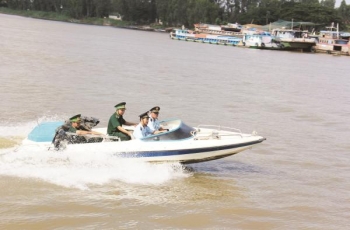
[328,3]
[344,12]
[188,12]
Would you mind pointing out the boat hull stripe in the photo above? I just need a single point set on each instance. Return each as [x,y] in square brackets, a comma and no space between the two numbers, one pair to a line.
[163,153]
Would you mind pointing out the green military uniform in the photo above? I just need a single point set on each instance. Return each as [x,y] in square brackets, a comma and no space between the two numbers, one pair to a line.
[117,120]
[75,139]
[72,129]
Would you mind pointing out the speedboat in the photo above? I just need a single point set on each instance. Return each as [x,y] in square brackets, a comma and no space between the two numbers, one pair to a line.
[182,143]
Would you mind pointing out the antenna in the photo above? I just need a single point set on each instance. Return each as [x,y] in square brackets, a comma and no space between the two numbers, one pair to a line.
[337,30]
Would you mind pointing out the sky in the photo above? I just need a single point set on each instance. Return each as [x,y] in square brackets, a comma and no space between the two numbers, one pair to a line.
[337,2]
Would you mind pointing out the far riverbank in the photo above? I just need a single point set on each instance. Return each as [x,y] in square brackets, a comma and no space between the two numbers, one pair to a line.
[89,21]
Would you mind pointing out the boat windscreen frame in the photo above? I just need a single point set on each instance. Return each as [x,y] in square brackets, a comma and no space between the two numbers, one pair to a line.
[181,132]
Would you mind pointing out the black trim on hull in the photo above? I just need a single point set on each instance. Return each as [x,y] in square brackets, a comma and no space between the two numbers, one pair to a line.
[206,159]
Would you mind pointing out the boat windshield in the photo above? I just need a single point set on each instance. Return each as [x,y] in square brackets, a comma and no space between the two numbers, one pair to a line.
[177,132]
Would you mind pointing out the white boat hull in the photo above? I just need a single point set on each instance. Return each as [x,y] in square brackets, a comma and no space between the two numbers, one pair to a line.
[198,146]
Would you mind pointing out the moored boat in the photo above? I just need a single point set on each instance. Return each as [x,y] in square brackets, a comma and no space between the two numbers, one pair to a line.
[331,42]
[290,39]
[182,143]
[260,40]
[219,30]
[235,27]
[188,35]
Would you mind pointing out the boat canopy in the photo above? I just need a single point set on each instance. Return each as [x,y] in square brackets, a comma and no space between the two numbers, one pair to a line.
[45,131]
[287,24]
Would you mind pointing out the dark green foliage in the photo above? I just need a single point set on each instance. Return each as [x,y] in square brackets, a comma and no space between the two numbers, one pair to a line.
[344,12]
[74,8]
[188,12]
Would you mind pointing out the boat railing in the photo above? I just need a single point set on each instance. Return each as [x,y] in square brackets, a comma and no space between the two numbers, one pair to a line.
[206,132]
[222,32]
[219,128]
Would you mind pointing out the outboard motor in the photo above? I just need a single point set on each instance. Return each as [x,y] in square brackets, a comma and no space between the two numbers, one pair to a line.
[62,138]
[88,123]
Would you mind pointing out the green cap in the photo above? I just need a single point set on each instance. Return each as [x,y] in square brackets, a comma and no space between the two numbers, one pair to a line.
[75,118]
[120,106]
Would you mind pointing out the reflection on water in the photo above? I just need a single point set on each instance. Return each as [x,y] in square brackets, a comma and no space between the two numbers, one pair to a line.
[7,143]
[202,189]
[227,168]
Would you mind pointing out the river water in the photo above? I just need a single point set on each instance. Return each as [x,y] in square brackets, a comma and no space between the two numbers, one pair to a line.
[297,179]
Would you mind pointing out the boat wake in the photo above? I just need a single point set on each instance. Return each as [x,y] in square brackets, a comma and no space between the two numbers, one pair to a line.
[72,170]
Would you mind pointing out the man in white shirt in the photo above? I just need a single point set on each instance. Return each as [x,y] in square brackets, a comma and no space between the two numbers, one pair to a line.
[142,130]
[153,123]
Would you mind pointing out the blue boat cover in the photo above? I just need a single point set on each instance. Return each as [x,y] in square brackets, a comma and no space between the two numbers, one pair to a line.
[44,132]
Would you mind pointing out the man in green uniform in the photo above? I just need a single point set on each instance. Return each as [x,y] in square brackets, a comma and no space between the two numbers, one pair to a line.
[116,122]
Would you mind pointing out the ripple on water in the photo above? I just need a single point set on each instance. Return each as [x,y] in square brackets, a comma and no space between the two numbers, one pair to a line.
[308,118]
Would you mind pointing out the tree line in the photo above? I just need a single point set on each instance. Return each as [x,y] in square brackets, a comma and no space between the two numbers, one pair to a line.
[189,12]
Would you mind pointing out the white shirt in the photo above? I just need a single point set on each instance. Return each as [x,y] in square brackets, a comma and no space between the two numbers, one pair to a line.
[141,132]
[153,124]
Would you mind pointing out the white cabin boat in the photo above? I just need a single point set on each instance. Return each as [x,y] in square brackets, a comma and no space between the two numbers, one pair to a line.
[331,43]
[260,40]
